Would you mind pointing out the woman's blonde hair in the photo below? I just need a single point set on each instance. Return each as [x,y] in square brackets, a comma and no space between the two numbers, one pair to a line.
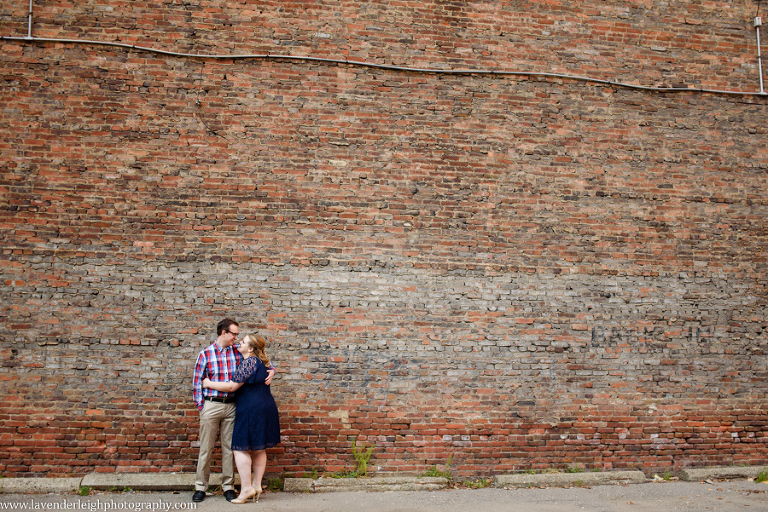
[257,342]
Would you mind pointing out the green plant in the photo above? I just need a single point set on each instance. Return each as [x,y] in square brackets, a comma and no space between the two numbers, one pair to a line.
[345,474]
[275,484]
[84,490]
[573,469]
[667,475]
[313,474]
[478,484]
[579,483]
[762,476]
[362,456]
[434,472]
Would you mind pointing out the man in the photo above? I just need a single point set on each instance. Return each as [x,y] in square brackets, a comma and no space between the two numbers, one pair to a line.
[218,362]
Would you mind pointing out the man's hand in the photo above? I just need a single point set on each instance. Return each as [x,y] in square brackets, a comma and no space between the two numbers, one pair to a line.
[270,374]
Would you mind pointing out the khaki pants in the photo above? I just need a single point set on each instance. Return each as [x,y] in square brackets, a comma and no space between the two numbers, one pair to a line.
[214,418]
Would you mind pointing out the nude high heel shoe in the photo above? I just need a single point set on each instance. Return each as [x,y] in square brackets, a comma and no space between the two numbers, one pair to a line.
[251,494]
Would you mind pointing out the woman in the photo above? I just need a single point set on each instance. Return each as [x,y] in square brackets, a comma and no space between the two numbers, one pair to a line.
[257,426]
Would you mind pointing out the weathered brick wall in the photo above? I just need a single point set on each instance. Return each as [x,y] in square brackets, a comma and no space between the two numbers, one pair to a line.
[507,272]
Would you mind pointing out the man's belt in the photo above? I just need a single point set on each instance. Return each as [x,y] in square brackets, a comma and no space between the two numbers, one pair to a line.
[220,399]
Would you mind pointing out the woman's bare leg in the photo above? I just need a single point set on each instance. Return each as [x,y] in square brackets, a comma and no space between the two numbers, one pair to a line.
[259,466]
[243,462]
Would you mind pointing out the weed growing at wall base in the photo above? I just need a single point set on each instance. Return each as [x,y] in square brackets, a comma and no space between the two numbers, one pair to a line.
[434,472]
[362,456]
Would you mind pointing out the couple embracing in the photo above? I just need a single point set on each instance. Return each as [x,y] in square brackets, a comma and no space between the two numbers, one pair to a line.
[247,420]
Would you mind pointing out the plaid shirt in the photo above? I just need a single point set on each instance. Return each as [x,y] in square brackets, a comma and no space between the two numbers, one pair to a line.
[218,365]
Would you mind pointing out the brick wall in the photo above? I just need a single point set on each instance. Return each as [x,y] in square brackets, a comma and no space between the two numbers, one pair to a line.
[507,272]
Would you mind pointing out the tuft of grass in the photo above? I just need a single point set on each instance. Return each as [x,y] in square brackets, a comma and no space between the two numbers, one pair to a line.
[362,456]
[345,474]
[84,490]
[275,484]
[573,469]
[762,476]
[434,472]
[478,484]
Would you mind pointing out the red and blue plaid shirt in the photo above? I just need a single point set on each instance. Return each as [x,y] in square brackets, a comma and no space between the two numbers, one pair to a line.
[218,365]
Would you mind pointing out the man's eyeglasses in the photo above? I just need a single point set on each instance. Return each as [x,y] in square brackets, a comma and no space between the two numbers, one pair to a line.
[235,334]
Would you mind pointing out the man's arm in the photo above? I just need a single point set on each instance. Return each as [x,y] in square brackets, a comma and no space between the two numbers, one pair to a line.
[201,370]
[228,386]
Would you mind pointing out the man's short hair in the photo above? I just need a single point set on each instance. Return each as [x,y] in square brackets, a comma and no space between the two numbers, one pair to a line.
[224,325]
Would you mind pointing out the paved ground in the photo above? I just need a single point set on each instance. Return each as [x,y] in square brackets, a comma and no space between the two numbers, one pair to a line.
[675,496]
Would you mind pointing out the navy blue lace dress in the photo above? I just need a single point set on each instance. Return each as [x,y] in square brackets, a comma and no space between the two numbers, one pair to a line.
[257,426]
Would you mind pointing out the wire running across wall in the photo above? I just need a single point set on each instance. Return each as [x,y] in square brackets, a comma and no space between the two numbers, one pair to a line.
[434,71]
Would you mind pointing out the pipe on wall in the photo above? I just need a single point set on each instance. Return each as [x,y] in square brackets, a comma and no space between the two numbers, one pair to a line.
[758,23]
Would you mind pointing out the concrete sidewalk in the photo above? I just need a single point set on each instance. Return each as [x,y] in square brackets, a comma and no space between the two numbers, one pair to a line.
[179,482]
[677,496]
[718,489]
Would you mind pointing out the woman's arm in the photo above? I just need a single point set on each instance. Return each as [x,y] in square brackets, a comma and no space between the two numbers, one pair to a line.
[221,386]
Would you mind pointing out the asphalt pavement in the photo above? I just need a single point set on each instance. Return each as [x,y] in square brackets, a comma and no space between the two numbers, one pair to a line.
[672,496]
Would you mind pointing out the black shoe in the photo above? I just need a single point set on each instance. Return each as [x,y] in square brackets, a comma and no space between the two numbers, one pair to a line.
[198,496]
[230,495]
